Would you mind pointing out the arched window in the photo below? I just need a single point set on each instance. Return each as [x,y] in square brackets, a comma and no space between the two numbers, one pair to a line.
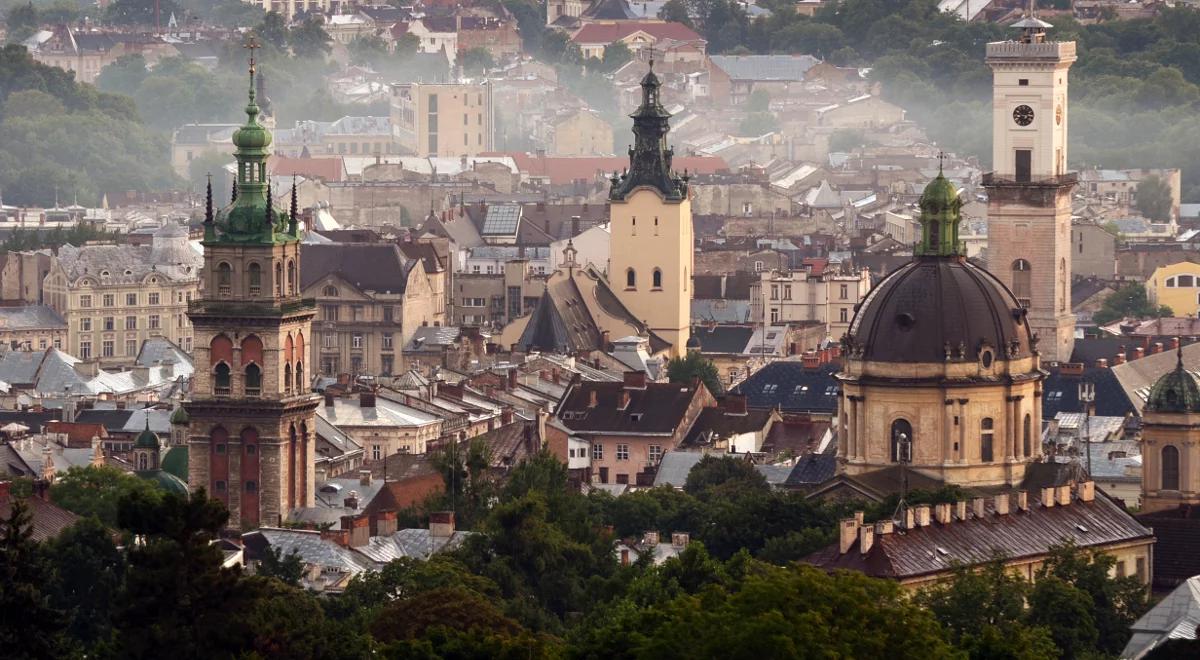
[300,386]
[143,461]
[630,279]
[1027,437]
[902,439]
[1170,283]
[291,277]
[1170,468]
[253,380]
[221,380]
[289,347]
[1022,281]
[224,279]
[331,291]
[287,378]
[987,436]
[657,278]
[278,279]
[1186,280]
[254,276]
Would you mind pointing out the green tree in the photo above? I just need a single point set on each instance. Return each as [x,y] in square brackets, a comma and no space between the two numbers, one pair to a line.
[205,163]
[616,55]
[273,31]
[725,473]
[30,627]
[287,568]
[88,572]
[758,123]
[22,20]
[477,61]
[759,101]
[468,486]
[140,12]
[309,39]
[676,11]
[1114,603]
[1129,301]
[124,76]
[1154,198]
[98,490]
[694,365]
[1066,611]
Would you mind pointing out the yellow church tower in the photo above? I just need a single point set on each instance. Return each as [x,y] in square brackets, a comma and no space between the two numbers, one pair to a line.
[651,216]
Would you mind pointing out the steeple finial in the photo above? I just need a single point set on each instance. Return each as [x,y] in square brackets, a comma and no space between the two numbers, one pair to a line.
[1178,354]
[294,221]
[208,207]
[252,46]
[941,160]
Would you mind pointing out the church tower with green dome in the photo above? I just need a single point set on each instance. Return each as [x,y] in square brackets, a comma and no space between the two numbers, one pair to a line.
[251,416]
[940,206]
[1170,437]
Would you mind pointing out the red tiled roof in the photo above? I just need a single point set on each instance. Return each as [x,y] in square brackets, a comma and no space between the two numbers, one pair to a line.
[606,33]
[331,168]
[563,170]
[79,434]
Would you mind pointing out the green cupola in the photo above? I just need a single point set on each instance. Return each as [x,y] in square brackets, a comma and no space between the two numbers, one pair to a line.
[147,439]
[940,207]
[251,217]
[1176,391]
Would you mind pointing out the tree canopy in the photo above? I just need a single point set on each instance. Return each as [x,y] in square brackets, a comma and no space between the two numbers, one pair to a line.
[1129,301]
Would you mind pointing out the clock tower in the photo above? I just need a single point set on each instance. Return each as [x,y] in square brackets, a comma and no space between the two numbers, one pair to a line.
[1029,189]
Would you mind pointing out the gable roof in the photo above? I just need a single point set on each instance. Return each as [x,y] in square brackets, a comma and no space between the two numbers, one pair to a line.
[369,266]
[48,520]
[607,32]
[793,388]
[776,68]
[657,409]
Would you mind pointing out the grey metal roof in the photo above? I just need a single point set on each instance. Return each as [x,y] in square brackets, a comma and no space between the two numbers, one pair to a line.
[30,317]
[765,67]
[314,550]
[502,220]
[417,543]
[1174,617]
[675,467]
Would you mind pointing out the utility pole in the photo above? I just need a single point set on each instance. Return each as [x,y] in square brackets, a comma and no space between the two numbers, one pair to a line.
[1087,394]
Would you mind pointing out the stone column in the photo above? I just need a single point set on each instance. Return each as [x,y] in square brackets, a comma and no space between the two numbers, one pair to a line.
[948,431]
[1010,425]
[861,449]
[962,430]
[852,428]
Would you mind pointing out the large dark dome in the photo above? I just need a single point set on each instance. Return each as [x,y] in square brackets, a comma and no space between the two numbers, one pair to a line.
[939,309]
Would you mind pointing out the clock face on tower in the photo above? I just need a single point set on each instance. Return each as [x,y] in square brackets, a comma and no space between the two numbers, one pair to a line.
[1023,115]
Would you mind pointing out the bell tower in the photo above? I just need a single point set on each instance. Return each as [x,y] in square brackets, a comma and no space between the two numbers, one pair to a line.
[1029,189]
[251,441]
[651,227]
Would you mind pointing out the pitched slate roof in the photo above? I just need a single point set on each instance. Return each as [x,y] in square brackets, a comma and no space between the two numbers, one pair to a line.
[1178,534]
[724,424]
[723,338]
[775,68]
[792,388]
[1060,393]
[1175,617]
[811,470]
[30,317]
[369,266]
[938,548]
[658,409]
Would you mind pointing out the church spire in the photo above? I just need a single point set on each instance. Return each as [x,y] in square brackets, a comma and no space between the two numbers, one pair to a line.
[210,232]
[293,218]
[650,157]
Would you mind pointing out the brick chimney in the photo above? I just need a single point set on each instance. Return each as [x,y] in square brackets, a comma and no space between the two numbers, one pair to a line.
[960,510]
[1048,496]
[866,538]
[359,528]
[680,539]
[1001,502]
[366,399]
[734,404]
[635,380]
[1156,347]
[506,416]
[1139,353]
[511,383]
[921,511]
[1086,491]
[1071,368]
[364,477]
[941,513]
[338,536]
[441,524]
[385,523]
[351,501]
[1022,500]
[979,506]
[97,452]
[593,399]
[1062,495]
[650,537]
[1174,343]
[811,360]
[1102,363]
[328,399]
[1119,359]
[885,527]
[847,534]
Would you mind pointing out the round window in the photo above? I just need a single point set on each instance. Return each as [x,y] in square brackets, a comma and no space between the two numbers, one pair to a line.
[986,358]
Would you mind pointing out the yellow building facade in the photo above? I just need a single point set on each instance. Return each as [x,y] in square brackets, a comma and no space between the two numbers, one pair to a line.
[1177,286]
[651,228]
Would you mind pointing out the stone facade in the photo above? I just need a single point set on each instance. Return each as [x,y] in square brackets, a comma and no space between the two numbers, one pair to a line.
[442,119]
[114,297]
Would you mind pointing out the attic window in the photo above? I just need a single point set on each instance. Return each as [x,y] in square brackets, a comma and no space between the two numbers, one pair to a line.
[1054,396]
[942,551]
[831,390]
[128,272]
[1081,528]
[800,389]
[636,417]
[104,273]
[770,388]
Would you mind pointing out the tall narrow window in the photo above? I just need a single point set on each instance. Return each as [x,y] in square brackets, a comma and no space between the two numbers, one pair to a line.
[657,278]
[224,279]
[291,278]
[630,279]
[300,386]
[1170,468]
[253,380]
[278,279]
[254,275]
[902,438]
[987,436]
[287,378]
[1027,437]
[1024,165]
[221,379]
[1022,279]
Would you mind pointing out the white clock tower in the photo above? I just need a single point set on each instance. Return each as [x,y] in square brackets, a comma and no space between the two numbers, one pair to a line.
[1029,189]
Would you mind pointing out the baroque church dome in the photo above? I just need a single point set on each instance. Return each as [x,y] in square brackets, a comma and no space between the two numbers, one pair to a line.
[1175,392]
[939,307]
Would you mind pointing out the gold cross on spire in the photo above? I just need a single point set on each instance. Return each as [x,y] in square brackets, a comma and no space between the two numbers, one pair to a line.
[941,159]
[252,46]
[651,49]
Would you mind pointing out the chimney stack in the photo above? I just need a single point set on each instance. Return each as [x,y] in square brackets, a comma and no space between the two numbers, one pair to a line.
[351,501]
[885,527]
[1087,491]
[1001,502]
[511,383]
[1139,353]
[650,537]
[1119,359]
[909,521]
[979,506]
[441,524]
[1102,363]
[941,513]
[359,528]
[680,539]
[364,477]
[1048,496]
[635,380]
[960,510]
[866,538]
[1022,500]
[366,399]
[385,523]
[593,399]
[1063,495]
[1174,343]
[922,515]
[1156,348]
[328,399]
[97,452]
[847,535]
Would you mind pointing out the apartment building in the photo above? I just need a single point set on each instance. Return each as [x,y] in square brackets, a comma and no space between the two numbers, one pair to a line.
[442,119]
[820,292]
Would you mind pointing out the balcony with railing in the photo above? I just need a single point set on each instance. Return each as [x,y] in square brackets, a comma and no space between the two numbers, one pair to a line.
[1001,51]
[993,179]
